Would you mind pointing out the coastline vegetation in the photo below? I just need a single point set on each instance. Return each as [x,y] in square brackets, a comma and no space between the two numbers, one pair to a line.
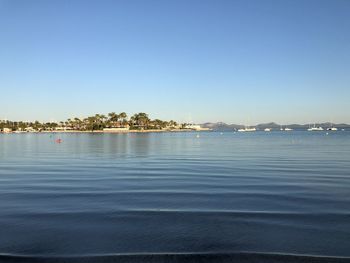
[97,122]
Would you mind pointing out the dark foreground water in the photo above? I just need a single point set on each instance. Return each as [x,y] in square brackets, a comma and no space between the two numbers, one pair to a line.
[174,197]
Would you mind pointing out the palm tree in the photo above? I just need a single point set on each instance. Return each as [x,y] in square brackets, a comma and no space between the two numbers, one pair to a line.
[123,117]
[91,123]
[77,123]
[159,124]
[113,118]
[140,120]
[98,121]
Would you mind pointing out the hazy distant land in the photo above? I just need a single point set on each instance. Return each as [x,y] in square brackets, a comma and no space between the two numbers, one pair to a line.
[221,126]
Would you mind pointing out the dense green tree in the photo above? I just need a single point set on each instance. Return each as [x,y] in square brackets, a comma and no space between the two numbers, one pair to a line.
[91,123]
[123,118]
[140,120]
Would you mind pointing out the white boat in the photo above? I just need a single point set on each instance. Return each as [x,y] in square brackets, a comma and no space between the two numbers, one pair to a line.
[247,129]
[288,129]
[332,129]
[315,129]
[267,129]
[319,128]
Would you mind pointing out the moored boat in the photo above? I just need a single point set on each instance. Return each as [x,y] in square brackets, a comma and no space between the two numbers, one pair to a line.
[314,128]
[247,129]
[332,129]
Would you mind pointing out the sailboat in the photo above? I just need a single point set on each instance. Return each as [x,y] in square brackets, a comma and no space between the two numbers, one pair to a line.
[319,128]
[285,129]
[332,128]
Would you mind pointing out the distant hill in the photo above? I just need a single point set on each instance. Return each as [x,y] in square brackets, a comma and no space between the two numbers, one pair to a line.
[221,126]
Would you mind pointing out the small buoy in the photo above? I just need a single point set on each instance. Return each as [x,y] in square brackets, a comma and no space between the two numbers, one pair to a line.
[58,140]
[327,133]
[221,133]
[197,135]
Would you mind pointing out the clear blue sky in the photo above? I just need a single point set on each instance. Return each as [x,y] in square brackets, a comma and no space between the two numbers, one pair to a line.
[234,61]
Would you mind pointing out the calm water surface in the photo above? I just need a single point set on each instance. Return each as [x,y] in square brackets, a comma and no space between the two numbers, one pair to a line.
[175,197]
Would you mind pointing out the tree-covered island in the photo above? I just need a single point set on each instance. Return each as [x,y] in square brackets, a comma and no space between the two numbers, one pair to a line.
[112,122]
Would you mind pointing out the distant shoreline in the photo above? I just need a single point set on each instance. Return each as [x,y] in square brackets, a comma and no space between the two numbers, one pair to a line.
[119,131]
[109,132]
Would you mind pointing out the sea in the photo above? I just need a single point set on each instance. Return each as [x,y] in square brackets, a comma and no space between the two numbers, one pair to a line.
[175,197]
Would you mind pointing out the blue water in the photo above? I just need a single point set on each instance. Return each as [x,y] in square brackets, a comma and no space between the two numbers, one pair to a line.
[175,197]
